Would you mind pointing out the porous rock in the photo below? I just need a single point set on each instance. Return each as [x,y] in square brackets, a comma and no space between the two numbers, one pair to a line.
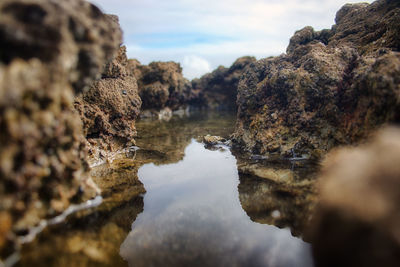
[332,87]
[49,50]
[161,84]
[109,110]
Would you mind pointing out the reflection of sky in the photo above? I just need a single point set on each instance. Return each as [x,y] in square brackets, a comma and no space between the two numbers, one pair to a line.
[204,34]
[192,214]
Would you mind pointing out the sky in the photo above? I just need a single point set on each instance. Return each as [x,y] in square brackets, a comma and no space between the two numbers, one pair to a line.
[203,34]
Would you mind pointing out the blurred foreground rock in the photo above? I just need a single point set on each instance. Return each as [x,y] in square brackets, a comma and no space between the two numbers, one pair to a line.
[332,87]
[49,51]
[357,222]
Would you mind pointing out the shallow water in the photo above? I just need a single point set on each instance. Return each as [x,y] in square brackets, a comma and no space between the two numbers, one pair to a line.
[201,207]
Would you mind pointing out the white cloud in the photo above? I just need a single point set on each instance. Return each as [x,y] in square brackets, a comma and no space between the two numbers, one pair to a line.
[226,29]
[195,66]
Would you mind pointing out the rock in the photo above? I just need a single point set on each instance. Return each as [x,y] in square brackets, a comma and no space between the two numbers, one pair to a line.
[357,222]
[49,51]
[213,140]
[218,89]
[332,87]
[161,84]
[109,110]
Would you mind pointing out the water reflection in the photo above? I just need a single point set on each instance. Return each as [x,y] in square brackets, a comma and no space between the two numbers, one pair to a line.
[278,193]
[192,217]
[197,211]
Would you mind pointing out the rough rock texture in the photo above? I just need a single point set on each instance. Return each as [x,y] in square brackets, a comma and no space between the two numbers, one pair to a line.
[358,219]
[49,50]
[332,87]
[109,109]
[161,84]
[218,89]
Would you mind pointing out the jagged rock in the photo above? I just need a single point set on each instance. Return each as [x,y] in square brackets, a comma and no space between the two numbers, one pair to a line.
[161,84]
[218,89]
[49,50]
[332,87]
[357,222]
[109,110]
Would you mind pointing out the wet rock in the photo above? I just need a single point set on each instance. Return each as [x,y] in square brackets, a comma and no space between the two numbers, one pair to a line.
[332,87]
[109,110]
[357,222]
[49,51]
[218,89]
[213,140]
[161,84]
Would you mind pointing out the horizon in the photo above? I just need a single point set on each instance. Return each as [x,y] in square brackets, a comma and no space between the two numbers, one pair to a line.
[203,36]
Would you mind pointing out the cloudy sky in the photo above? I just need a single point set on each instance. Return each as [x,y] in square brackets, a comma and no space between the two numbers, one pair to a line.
[203,34]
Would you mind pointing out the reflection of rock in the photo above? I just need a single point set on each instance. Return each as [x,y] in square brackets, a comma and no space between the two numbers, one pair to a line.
[332,87]
[165,142]
[49,50]
[109,110]
[277,194]
[358,219]
[218,89]
[119,181]
[93,237]
[161,84]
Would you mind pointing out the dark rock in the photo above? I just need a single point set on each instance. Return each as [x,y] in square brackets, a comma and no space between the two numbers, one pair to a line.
[49,50]
[357,222]
[218,89]
[332,87]
[161,84]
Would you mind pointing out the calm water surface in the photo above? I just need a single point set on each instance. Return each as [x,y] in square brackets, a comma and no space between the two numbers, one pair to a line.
[197,210]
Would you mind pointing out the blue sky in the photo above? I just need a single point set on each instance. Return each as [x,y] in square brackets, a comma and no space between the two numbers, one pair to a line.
[203,34]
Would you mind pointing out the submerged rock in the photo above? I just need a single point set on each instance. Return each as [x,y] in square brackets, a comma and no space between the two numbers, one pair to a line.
[109,110]
[357,222]
[332,87]
[49,50]
[218,89]
[161,85]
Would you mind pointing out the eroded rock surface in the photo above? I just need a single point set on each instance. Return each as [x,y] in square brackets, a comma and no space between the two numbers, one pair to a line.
[49,50]
[332,87]
[109,110]
[161,85]
[357,222]
[218,89]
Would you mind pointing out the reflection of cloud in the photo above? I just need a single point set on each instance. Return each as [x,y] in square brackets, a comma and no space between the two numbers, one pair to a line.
[193,217]
[218,31]
[194,66]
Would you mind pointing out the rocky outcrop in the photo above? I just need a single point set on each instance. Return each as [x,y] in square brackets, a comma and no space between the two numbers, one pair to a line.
[49,51]
[218,89]
[109,110]
[357,222]
[332,87]
[161,85]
